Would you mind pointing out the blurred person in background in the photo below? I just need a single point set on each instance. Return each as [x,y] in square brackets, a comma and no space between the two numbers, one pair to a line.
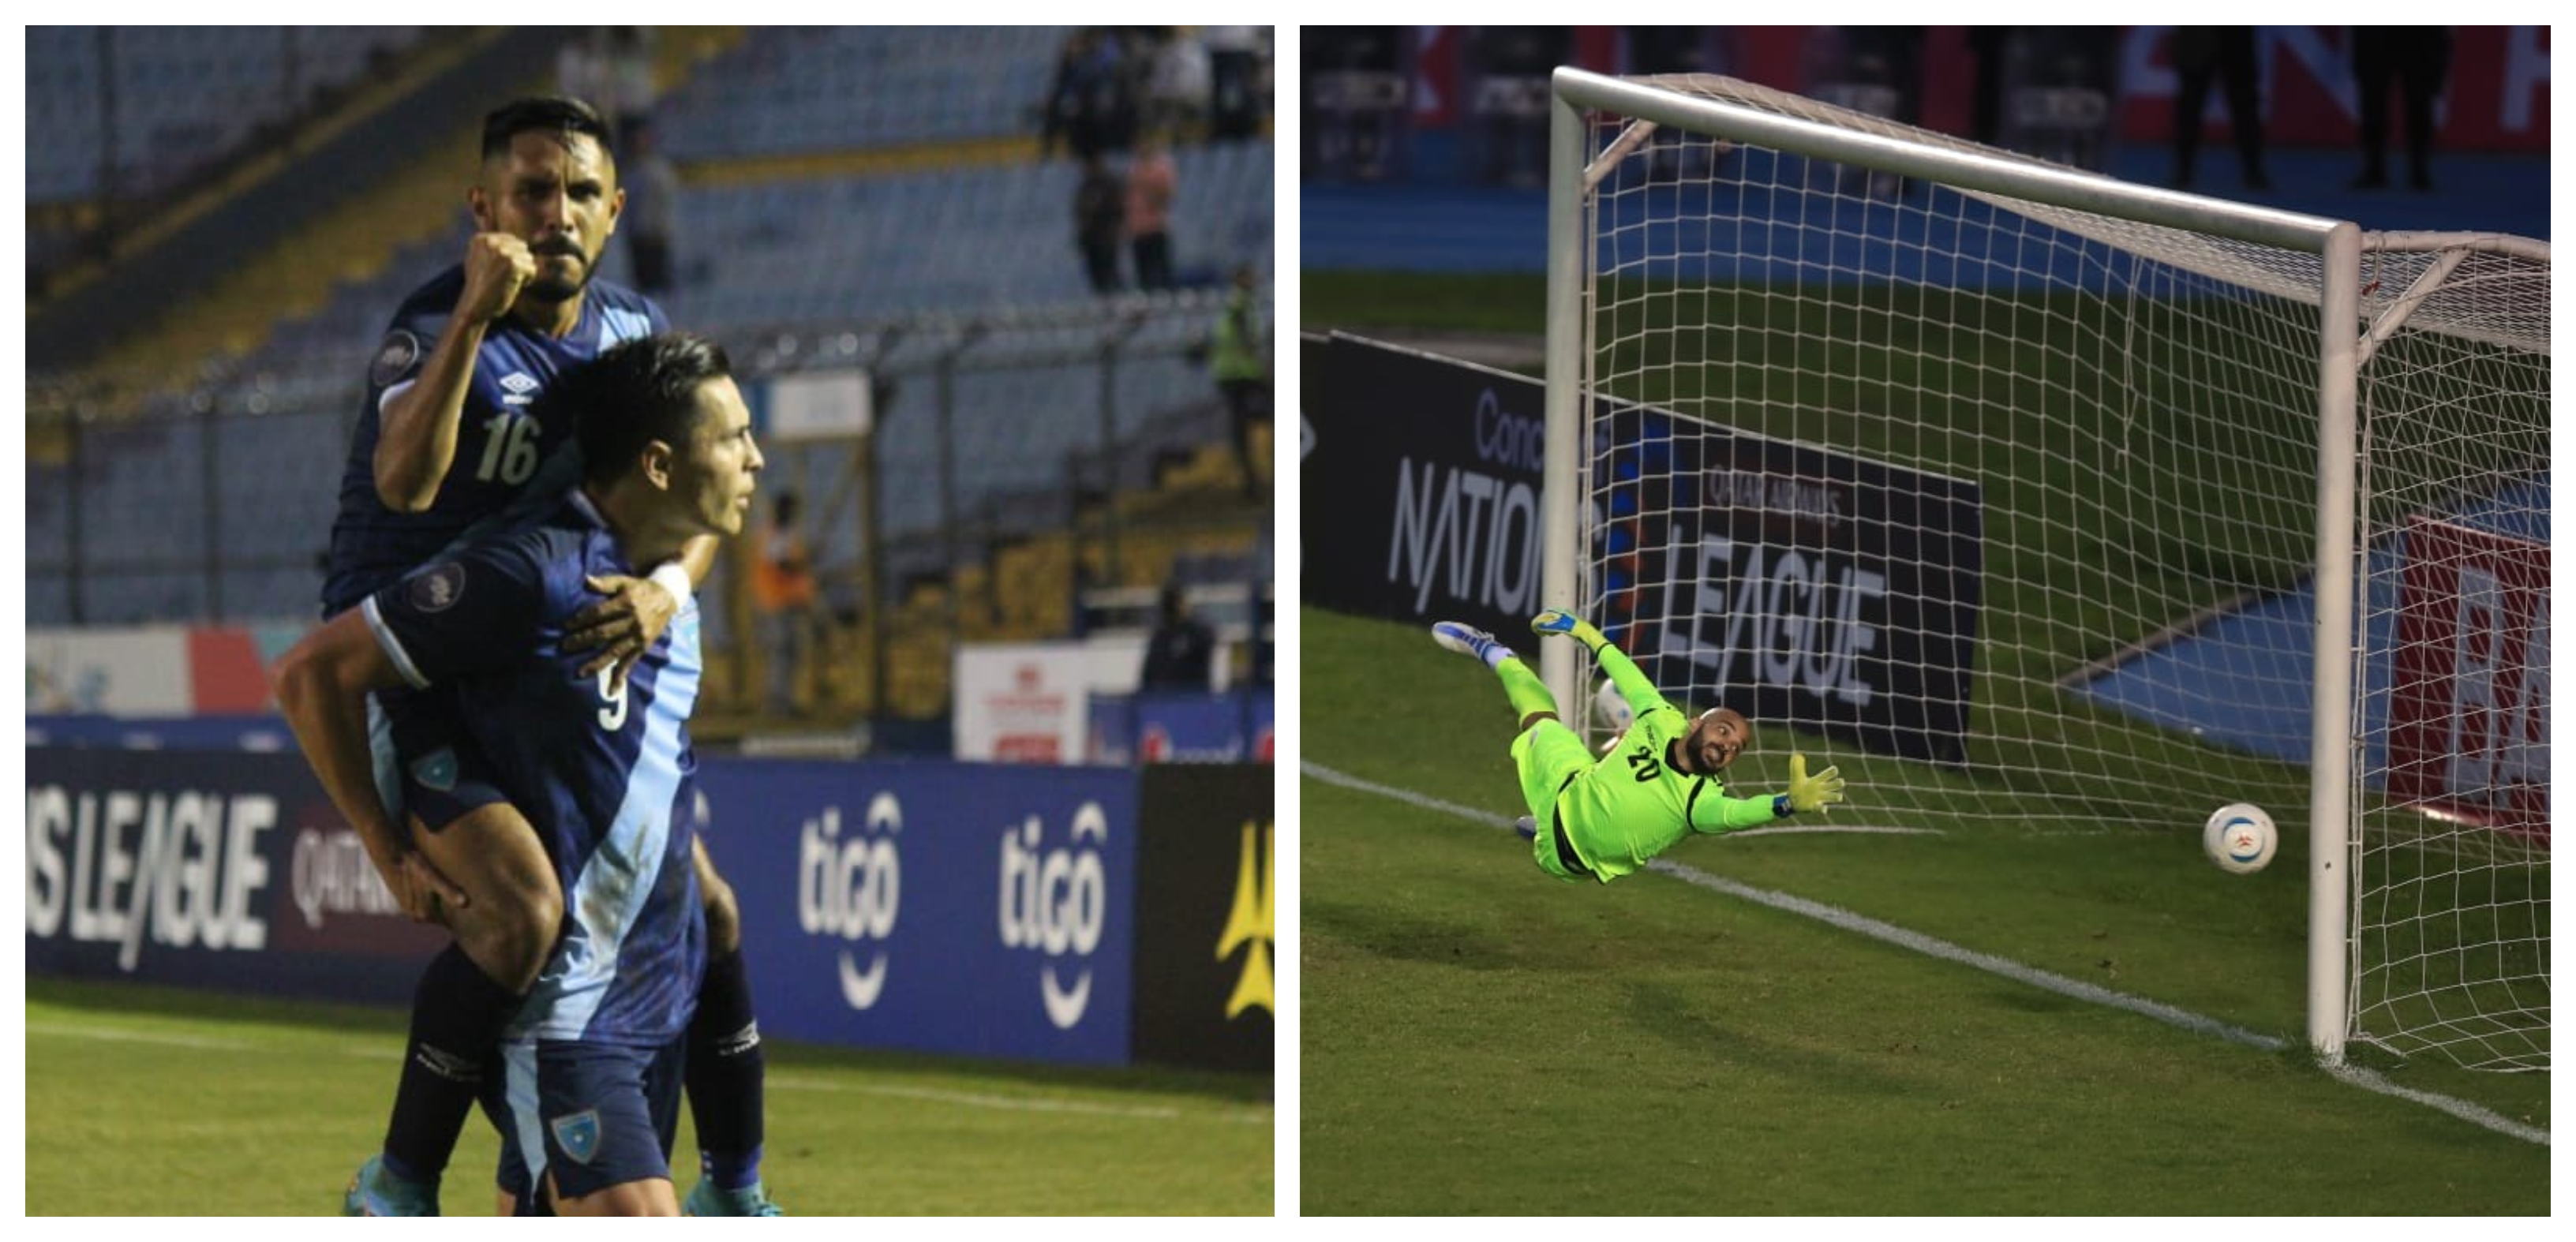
[1986,44]
[2227,52]
[1099,220]
[1091,107]
[1242,373]
[653,209]
[1179,652]
[2416,59]
[633,92]
[582,70]
[1234,101]
[782,591]
[1151,183]
[1178,90]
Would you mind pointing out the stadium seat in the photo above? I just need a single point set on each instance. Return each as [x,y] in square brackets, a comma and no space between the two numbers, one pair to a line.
[185,96]
[812,254]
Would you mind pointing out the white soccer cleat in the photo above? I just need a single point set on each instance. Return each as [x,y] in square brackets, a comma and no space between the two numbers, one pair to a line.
[1467,640]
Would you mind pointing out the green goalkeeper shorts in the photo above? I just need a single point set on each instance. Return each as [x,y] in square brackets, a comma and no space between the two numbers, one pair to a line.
[1548,755]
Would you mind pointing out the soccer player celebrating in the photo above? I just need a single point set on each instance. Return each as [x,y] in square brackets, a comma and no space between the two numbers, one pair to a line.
[1603,818]
[600,763]
[450,439]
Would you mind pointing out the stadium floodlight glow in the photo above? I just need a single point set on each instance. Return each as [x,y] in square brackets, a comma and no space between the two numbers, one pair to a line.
[2076,505]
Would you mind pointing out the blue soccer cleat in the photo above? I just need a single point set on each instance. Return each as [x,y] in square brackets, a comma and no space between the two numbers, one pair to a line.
[375,1191]
[1527,826]
[1559,621]
[709,1200]
[1467,640]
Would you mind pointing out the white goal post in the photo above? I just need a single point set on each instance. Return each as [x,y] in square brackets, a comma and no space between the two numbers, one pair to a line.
[1997,473]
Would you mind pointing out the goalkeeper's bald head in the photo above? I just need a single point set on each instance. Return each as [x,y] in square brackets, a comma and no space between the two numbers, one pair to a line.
[1716,737]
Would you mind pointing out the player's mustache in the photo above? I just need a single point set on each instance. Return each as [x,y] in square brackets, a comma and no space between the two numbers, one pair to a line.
[567,248]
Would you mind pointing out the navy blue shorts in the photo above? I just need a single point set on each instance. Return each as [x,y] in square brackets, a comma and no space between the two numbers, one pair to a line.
[426,762]
[593,1115]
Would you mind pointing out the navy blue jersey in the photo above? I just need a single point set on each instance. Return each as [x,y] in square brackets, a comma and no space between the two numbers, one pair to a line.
[500,446]
[605,778]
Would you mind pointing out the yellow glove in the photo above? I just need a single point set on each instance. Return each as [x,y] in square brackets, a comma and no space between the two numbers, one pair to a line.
[1811,793]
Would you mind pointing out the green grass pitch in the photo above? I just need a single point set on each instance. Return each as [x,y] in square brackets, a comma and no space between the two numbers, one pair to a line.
[148,1102]
[1480,1038]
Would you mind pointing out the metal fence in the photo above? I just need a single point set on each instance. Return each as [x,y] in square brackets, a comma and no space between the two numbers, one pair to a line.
[154,498]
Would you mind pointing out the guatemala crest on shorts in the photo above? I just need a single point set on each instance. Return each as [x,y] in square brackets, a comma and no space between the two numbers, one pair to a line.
[437,769]
[577,1134]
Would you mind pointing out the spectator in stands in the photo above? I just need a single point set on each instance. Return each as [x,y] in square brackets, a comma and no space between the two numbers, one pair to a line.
[652,208]
[1234,55]
[1090,108]
[1673,49]
[2228,52]
[1099,218]
[1151,182]
[1241,374]
[1987,45]
[1176,93]
[2416,59]
[630,77]
[1178,654]
[782,589]
[581,72]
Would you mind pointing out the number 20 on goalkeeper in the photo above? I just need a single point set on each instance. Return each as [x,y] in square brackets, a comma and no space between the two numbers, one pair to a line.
[1601,818]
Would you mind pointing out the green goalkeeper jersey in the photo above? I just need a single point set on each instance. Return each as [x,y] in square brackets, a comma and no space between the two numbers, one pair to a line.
[1633,804]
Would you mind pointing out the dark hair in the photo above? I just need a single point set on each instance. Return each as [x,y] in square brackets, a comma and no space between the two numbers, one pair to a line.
[559,114]
[636,392]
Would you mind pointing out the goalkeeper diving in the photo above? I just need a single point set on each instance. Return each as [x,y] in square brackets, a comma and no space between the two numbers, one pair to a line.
[1602,818]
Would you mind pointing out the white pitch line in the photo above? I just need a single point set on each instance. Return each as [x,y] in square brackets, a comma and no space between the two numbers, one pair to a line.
[68,1031]
[1331,777]
[793,1082]
[1008,1103]
[386,1052]
[1890,933]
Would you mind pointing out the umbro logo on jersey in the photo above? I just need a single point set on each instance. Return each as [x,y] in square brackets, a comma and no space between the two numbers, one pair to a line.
[518,388]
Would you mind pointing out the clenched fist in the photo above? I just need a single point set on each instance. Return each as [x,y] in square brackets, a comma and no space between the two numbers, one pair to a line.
[496,266]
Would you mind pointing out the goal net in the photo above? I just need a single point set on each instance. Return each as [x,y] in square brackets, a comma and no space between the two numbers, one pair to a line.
[2000,483]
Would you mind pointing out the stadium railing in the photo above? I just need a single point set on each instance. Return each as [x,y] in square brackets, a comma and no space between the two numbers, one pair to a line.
[997,435]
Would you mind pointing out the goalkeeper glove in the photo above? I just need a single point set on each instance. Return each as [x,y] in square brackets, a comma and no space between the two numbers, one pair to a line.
[1559,621]
[1811,793]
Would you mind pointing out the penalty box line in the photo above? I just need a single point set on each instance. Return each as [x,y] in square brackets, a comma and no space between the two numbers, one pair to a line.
[1932,946]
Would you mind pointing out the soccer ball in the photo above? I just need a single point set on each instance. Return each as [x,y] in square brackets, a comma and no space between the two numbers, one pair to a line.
[1610,708]
[2240,838]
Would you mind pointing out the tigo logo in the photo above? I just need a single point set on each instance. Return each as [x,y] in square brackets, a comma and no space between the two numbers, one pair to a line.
[853,889]
[1055,901]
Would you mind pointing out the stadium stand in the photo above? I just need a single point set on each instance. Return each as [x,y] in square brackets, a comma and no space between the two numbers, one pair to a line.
[786,90]
[909,228]
[131,115]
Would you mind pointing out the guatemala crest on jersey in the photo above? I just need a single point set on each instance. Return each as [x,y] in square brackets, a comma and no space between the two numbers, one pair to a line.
[394,359]
[577,1134]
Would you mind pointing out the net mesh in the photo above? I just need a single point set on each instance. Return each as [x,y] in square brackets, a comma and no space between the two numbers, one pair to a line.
[2011,509]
